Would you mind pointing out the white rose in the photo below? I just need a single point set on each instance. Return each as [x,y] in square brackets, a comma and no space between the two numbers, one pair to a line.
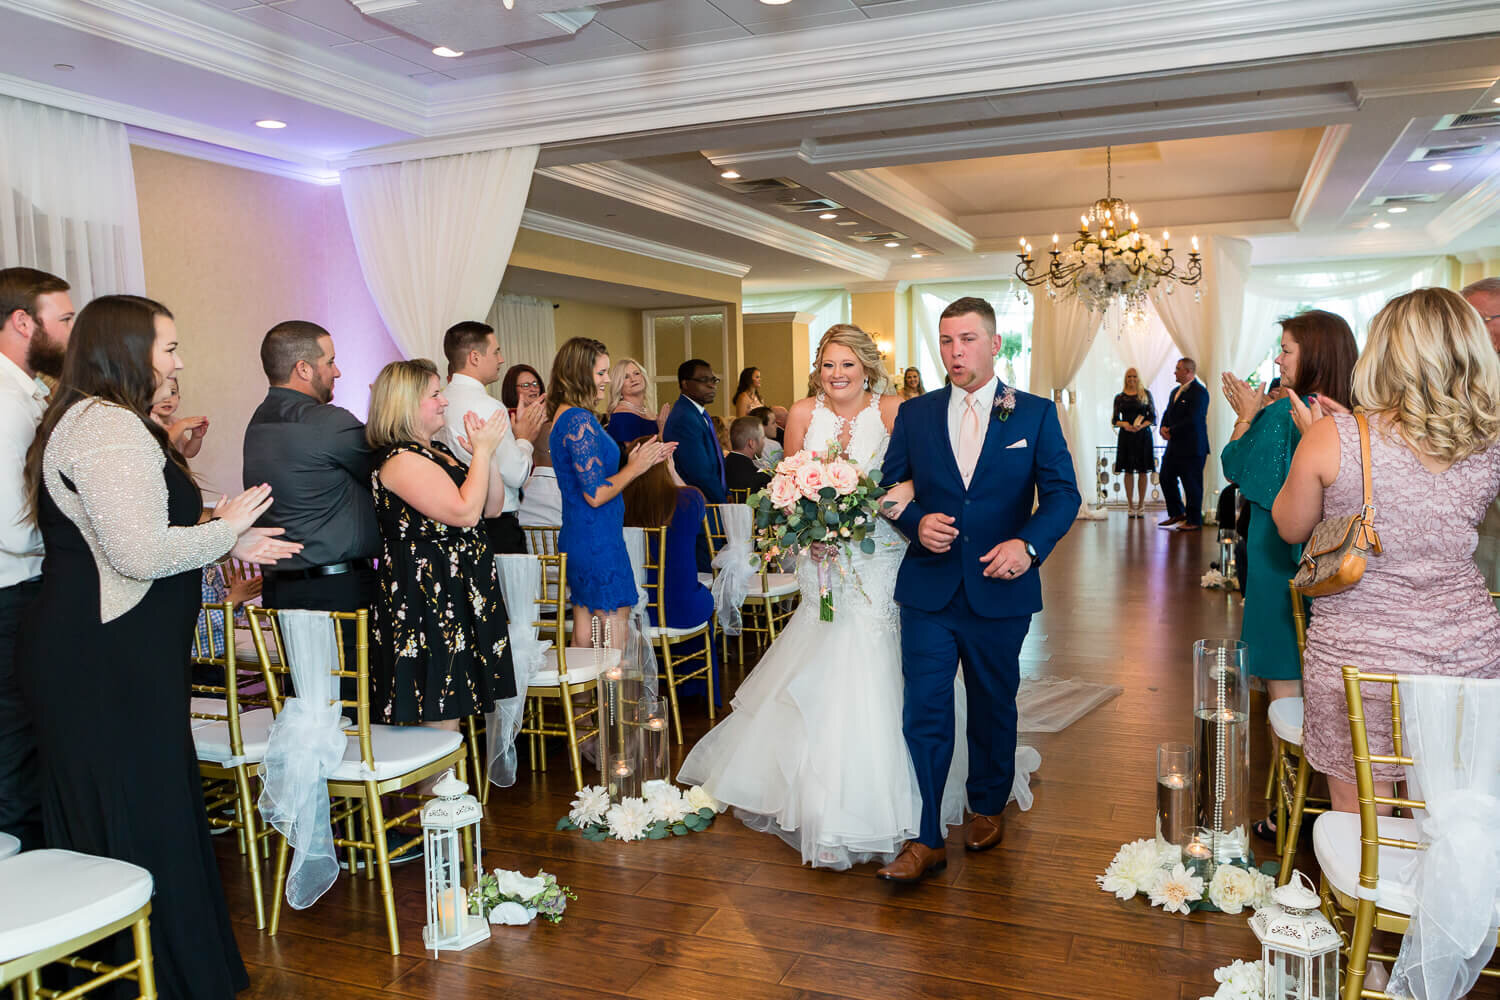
[696,798]
[518,885]
[1232,888]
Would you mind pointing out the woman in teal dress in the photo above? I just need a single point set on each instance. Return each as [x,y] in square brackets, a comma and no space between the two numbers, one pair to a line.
[1317,363]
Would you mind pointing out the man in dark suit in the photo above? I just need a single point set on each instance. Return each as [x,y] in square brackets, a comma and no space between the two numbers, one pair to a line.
[1184,423]
[747,439]
[700,460]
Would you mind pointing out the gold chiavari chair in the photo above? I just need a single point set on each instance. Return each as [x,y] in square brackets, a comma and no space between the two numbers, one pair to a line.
[771,601]
[230,741]
[541,539]
[58,903]
[739,496]
[566,684]
[673,667]
[1289,769]
[1356,892]
[381,760]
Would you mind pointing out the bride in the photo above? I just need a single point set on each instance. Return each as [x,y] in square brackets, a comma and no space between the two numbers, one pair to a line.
[813,750]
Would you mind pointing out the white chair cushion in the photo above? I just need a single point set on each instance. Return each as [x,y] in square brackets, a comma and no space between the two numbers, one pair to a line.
[1336,843]
[9,845]
[55,896]
[707,579]
[657,631]
[1286,720]
[398,750]
[212,738]
[777,585]
[246,654]
[583,666]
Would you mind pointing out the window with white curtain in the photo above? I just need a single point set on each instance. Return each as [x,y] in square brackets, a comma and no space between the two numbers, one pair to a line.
[1012,325]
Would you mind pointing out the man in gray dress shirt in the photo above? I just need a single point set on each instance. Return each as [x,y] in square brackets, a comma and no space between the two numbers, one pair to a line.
[315,458]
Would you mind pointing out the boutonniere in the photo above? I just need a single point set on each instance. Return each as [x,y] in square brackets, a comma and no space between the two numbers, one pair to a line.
[1005,405]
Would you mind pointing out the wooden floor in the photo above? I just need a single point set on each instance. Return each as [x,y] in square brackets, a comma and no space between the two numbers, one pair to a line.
[730,914]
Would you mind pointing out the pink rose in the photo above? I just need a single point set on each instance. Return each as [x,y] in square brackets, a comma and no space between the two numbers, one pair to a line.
[791,463]
[811,478]
[842,476]
[783,491]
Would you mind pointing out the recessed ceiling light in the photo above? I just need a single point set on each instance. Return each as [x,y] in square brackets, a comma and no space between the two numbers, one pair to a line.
[270,123]
[446,53]
[774,3]
[730,175]
[847,222]
[1438,168]
[63,67]
[893,243]
[916,256]
[826,216]
[1497,100]
[1396,209]
[1382,225]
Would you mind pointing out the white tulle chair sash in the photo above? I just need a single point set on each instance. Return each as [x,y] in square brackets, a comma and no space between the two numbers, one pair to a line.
[639,652]
[1450,734]
[304,747]
[521,583]
[735,568]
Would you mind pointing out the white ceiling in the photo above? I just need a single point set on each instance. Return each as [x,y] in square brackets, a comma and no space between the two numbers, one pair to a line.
[1276,120]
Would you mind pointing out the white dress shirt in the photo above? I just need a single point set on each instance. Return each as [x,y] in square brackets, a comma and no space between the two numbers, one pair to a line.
[984,399]
[512,459]
[22,402]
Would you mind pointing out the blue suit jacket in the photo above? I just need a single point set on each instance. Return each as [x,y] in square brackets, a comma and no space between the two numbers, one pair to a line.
[700,460]
[996,506]
[1186,416]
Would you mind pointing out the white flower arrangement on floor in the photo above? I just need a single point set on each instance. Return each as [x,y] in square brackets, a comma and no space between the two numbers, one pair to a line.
[512,898]
[662,811]
[1240,980]
[1144,866]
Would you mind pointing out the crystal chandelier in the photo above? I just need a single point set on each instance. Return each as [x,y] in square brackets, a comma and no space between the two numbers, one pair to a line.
[1108,264]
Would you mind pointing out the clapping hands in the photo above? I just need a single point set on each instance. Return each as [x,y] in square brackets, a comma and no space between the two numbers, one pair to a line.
[1305,416]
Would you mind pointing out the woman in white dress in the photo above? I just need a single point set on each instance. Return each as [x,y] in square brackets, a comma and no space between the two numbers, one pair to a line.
[813,750]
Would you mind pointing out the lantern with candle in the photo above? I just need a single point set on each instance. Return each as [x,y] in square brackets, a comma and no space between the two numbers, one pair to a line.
[1299,947]
[446,821]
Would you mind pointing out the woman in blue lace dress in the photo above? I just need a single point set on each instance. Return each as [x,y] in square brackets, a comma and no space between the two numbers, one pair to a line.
[593,512]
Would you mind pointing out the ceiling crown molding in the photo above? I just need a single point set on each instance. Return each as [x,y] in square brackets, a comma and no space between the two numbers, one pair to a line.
[166,142]
[555,225]
[633,184]
[905,200]
[764,318]
[1474,207]
[1323,158]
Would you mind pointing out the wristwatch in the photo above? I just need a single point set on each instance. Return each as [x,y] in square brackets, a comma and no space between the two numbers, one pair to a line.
[1031,551]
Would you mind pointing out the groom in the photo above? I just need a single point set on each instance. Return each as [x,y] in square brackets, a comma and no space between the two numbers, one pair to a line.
[994,491]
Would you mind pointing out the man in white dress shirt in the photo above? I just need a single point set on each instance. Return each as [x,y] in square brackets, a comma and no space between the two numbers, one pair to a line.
[474,362]
[36,317]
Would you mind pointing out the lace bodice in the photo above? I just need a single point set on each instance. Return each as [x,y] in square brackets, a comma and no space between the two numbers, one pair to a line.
[867,433]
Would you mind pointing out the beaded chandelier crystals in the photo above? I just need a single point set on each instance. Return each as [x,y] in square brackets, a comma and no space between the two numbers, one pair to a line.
[1108,263]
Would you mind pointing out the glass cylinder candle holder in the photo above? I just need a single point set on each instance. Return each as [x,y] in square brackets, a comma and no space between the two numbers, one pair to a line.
[1198,854]
[655,762]
[1176,794]
[1221,727]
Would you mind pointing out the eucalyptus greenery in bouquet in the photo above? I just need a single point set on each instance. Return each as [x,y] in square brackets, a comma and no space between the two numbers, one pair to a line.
[662,811]
[539,895]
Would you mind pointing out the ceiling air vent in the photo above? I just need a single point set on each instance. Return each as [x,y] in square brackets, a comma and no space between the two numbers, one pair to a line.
[809,205]
[761,186]
[1470,119]
[1404,199]
[1428,154]
[876,237]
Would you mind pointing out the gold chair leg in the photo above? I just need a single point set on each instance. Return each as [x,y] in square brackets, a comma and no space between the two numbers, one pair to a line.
[246,808]
[1293,827]
[574,757]
[368,836]
[353,852]
[482,792]
[1359,949]
[282,850]
[383,863]
[145,976]
[1275,766]
[666,660]
[708,676]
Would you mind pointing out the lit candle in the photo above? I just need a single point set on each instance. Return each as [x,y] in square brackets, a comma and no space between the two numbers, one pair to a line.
[451,906]
[622,769]
[1174,780]
[1196,850]
[1166,238]
[1134,221]
[1195,244]
[1083,223]
[1054,241]
[1022,241]
[656,722]
[614,674]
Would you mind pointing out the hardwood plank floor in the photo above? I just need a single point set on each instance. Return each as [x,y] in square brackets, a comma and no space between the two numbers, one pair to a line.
[730,914]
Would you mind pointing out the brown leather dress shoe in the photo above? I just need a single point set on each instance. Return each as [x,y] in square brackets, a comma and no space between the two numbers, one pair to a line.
[915,862]
[984,832]
[1169,522]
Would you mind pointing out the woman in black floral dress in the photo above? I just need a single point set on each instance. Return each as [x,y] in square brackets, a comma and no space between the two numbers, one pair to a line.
[439,650]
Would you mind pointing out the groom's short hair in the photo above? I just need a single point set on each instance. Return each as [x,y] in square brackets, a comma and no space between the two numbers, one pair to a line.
[971,304]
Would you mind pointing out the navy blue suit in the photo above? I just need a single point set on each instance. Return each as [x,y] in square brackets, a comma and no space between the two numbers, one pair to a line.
[952,614]
[1186,417]
[700,461]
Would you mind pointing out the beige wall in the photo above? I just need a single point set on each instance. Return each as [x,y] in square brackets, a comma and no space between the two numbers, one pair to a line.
[233,252]
[777,344]
[618,328]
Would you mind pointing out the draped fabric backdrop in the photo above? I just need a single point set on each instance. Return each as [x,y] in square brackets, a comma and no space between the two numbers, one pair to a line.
[67,200]
[1013,315]
[434,236]
[527,336]
[829,306]
[1062,331]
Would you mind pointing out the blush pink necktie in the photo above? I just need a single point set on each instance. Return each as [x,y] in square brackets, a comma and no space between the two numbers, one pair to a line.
[968,439]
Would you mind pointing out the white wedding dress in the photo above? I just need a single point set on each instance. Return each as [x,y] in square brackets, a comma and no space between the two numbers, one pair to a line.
[813,750]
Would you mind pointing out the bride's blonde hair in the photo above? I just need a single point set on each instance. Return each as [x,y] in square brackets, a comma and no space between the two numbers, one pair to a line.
[1429,368]
[863,346]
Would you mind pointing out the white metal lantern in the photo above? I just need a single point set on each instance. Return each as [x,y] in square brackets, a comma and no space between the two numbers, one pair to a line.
[450,926]
[1299,948]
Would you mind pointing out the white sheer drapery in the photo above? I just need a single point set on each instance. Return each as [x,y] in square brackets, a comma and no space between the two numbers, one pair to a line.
[639,649]
[1062,331]
[304,747]
[67,200]
[829,306]
[1450,733]
[521,585]
[734,567]
[1013,315]
[433,237]
[526,332]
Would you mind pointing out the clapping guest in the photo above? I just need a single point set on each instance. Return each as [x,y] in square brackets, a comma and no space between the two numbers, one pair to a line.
[1135,454]
[104,652]
[747,440]
[185,433]
[593,512]
[540,501]
[911,384]
[747,393]
[438,631]
[632,404]
[1429,381]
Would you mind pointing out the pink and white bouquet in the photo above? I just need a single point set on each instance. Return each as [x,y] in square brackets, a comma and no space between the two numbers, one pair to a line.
[820,501]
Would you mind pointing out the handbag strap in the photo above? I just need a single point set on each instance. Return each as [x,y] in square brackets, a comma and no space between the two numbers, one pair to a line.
[1367,514]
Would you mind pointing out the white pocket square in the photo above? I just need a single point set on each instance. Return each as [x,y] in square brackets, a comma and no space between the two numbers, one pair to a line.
[1019,444]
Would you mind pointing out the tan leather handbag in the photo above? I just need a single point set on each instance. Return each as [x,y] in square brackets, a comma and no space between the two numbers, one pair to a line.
[1333,559]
